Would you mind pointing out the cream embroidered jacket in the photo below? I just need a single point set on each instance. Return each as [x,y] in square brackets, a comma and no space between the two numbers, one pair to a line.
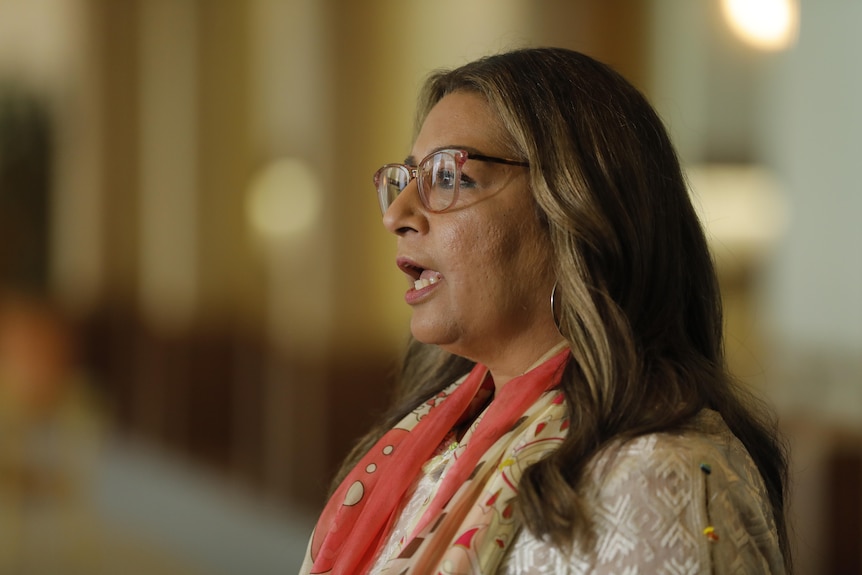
[684,503]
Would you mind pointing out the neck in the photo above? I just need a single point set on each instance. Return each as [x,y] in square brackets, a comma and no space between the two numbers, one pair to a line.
[503,375]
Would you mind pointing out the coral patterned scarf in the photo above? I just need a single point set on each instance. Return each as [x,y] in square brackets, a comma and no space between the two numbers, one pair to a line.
[469,523]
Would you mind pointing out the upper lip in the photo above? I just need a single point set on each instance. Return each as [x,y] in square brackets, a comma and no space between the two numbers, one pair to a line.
[410,267]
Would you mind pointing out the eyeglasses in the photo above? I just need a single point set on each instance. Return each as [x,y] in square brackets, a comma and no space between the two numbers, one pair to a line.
[438,177]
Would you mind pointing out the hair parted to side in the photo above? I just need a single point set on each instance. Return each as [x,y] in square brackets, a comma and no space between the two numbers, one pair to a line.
[640,305]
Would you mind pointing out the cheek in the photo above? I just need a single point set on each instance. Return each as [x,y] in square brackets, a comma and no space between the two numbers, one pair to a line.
[518,239]
[524,253]
[494,261]
[496,252]
[462,236]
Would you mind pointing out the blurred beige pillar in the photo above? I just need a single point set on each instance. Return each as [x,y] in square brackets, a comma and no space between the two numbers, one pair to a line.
[167,202]
[288,218]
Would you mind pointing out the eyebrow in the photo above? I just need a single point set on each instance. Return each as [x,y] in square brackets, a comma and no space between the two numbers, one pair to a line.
[411,159]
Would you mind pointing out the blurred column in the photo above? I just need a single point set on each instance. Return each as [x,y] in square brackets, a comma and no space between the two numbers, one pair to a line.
[232,294]
[115,32]
[168,164]
[77,256]
[166,208]
[288,209]
[615,32]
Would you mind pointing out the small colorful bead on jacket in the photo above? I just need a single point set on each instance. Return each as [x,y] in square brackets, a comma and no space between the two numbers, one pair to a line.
[710,533]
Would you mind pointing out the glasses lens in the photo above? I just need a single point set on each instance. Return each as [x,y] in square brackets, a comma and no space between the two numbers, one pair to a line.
[440,181]
[390,181]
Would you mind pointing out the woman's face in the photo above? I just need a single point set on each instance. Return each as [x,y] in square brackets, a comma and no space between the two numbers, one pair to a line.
[489,257]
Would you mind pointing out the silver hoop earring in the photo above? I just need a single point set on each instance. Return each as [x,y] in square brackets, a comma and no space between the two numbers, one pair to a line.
[554,307]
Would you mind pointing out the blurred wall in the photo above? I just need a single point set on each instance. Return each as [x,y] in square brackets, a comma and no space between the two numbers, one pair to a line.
[214,240]
[811,133]
[792,113]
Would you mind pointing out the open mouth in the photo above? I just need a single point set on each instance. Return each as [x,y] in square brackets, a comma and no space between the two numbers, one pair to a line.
[422,277]
[424,280]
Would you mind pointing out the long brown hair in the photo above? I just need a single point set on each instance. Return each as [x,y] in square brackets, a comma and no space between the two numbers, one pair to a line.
[640,307]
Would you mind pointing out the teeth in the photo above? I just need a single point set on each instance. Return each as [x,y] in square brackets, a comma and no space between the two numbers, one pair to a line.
[424,283]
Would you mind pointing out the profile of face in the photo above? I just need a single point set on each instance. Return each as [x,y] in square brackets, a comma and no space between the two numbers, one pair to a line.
[480,273]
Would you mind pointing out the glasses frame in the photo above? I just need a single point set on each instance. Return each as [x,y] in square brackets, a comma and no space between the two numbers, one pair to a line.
[461,157]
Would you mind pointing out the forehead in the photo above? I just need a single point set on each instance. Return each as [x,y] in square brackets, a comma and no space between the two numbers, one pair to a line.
[461,119]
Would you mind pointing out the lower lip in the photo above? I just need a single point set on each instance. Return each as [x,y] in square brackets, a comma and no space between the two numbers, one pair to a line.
[415,295]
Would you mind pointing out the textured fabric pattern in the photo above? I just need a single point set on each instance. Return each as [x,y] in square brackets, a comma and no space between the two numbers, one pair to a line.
[417,503]
[683,503]
[463,526]
[477,525]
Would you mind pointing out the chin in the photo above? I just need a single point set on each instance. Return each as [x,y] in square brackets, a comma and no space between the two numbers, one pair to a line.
[424,337]
[431,334]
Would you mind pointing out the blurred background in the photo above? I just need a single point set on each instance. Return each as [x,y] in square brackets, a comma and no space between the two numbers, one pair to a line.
[199,309]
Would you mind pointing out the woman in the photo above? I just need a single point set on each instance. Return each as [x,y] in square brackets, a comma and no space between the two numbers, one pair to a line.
[564,404]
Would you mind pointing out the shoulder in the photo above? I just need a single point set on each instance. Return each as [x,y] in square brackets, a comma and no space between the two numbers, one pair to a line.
[705,452]
[693,497]
[689,501]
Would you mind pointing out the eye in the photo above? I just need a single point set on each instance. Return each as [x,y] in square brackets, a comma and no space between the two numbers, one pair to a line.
[444,179]
[466,181]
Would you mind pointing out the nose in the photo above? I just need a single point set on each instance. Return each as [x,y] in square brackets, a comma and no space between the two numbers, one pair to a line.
[405,213]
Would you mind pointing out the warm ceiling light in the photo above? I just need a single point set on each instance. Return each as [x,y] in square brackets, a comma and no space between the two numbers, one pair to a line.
[283,199]
[766,24]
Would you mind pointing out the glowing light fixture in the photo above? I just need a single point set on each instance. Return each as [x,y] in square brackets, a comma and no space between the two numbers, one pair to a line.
[283,199]
[765,24]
